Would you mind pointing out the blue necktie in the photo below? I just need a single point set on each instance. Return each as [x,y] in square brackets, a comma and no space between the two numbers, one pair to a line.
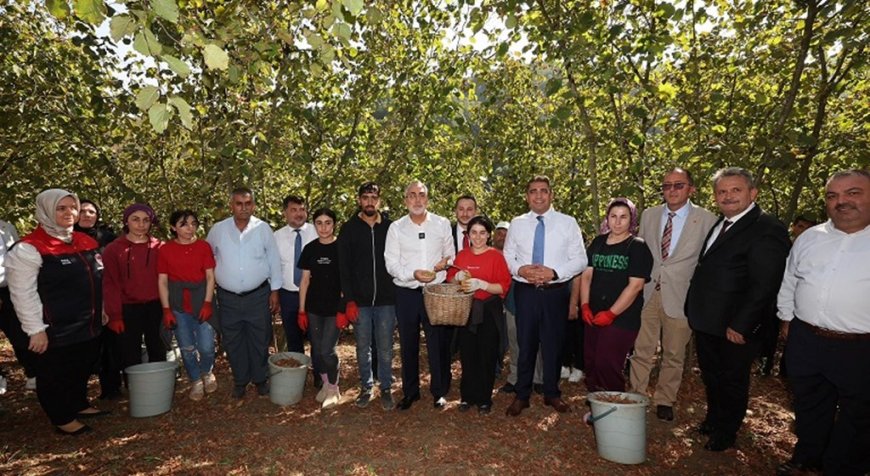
[297,250]
[538,246]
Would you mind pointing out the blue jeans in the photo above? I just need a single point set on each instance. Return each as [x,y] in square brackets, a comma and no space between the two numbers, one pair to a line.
[324,338]
[379,321]
[196,341]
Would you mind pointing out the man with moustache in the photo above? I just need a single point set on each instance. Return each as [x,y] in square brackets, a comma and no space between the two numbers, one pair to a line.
[544,251]
[674,232]
[731,294]
[823,303]
[248,276]
[369,292]
[417,251]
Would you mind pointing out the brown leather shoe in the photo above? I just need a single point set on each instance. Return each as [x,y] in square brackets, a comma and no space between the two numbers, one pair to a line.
[558,404]
[517,407]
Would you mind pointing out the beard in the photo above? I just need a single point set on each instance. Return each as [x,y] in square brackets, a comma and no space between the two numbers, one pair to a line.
[370,211]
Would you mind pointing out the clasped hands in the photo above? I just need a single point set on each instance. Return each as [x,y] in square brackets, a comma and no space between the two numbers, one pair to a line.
[537,274]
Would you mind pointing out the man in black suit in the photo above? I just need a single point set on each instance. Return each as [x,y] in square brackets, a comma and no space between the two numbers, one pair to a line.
[733,291]
[466,209]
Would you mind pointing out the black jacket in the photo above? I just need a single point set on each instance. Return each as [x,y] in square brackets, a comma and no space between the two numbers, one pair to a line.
[364,277]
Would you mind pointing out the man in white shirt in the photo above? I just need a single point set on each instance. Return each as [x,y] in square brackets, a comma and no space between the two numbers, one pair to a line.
[674,232]
[544,251]
[417,251]
[824,303]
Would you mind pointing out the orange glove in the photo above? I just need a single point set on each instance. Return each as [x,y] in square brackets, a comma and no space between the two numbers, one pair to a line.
[604,318]
[302,320]
[116,326]
[206,311]
[341,320]
[586,313]
[351,311]
[168,319]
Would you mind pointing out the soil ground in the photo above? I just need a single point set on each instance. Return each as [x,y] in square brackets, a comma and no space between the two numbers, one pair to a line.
[221,435]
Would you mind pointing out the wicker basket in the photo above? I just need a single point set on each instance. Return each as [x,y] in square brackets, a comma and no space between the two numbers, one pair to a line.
[446,304]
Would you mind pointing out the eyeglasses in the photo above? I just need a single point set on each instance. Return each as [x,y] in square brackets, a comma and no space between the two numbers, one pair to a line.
[675,186]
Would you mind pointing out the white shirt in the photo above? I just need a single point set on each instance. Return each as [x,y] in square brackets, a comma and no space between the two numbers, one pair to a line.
[460,234]
[8,236]
[563,244]
[713,236]
[677,224]
[245,258]
[411,247]
[22,265]
[286,240]
[827,280]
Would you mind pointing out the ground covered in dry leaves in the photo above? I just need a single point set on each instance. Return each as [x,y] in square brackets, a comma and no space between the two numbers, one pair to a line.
[221,435]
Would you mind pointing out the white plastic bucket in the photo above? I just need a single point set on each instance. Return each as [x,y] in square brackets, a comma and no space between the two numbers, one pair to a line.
[151,387]
[620,428]
[287,383]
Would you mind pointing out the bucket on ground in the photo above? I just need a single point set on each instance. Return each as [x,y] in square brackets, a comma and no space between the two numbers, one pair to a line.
[287,378]
[151,387]
[620,425]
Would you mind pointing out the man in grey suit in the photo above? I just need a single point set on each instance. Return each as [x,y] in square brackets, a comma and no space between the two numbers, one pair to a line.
[674,232]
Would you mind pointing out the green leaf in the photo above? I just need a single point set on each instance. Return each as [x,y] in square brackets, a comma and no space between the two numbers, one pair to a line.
[58,8]
[147,97]
[166,9]
[315,40]
[121,26]
[353,6]
[158,116]
[511,21]
[667,91]
[183,109]
[553,86]
[91,11]
[374,16]
[147,44]
[321,5]
[342,30]
[215,57]
[180,67]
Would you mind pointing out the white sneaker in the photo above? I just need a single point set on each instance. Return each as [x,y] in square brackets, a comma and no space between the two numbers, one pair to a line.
[576,375]
[2,385]
[31,383]
[333,396]
[210,382]
[566,372]
[321,395]
[196,391]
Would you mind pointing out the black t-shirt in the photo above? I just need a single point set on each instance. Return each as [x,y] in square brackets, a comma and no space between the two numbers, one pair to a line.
[613,265]
[324,288]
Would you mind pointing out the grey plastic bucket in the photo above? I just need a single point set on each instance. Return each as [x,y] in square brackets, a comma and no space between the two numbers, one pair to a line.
[287,383]
[151,387]
[620,428]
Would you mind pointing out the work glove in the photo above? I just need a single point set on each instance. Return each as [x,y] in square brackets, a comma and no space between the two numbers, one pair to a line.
[116,326]
[473,284]
[302,320]
[168,319]
[351,311]
[586,313]
[603,318]
[206,311]
[341,320]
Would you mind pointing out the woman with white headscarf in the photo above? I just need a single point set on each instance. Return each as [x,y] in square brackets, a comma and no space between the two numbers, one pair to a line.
[54,276]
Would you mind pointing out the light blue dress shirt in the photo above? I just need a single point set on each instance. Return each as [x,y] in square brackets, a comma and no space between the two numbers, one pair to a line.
[245,258]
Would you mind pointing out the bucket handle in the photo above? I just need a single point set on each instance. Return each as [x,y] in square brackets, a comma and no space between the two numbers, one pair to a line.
[593,419]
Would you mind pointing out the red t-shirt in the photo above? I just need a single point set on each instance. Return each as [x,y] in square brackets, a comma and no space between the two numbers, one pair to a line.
[489,266]
[185,262]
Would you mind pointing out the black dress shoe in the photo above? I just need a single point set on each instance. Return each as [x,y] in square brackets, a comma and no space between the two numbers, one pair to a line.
[719,443]
[706,428]
[538,388]
[262,388]
[464,406]
[95,414]
[507,388]
[664,412]
[239,391]
[406,402]
[439,403]
[793,468]
[517,407]
[81,431]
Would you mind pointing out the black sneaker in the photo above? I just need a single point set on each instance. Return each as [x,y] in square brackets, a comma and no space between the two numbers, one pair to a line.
[364,398]
[239,391]
[507,388]
[263,388]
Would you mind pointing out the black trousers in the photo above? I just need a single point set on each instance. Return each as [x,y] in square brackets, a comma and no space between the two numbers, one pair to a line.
[141,322]
[478,352]
[109,363]
[830,380]
[410,315]
[573,350]
[11,326]
[62,379]
[542,314]
[725,369]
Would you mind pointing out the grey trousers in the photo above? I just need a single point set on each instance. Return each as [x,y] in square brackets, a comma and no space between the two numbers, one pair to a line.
[514,349]
[246,327]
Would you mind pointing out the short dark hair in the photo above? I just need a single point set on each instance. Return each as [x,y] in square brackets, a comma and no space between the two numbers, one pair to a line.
[369,187]
[539,178]
[680,170]
[324,211]
[241,191]
[733,172]
[181,215]
[292,199]
[465,197]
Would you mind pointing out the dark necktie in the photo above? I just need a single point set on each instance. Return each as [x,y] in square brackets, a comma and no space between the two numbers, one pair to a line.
[297,251]
[666,236]
[725,225]
[465,243]
[538,245]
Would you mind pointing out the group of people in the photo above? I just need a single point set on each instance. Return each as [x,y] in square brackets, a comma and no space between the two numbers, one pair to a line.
[644,283]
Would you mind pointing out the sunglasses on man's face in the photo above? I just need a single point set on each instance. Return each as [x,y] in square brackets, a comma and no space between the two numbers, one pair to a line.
[675,186]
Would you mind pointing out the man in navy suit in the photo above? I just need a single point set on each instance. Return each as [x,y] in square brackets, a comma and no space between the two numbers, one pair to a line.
[732,293]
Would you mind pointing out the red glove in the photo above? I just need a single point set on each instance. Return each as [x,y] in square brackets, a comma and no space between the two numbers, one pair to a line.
[586,313]
[302,320]
[604,318]
[206,311]
[116,326]
[351,311]
[341,320]
[168,319]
